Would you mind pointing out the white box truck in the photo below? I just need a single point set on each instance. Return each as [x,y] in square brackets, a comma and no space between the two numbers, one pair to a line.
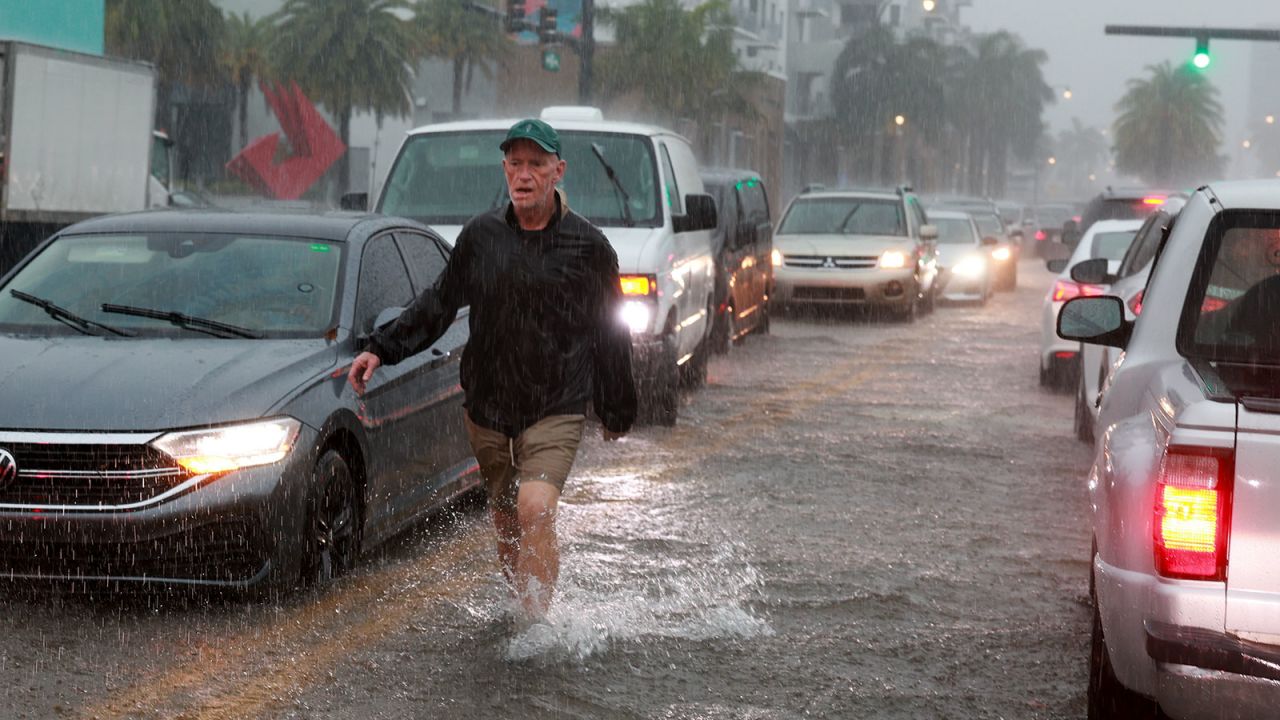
[76,140]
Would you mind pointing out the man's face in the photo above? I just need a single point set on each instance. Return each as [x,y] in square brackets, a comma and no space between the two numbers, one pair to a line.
[532,174]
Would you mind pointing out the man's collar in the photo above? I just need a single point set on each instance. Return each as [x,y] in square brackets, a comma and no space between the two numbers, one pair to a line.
[556,216]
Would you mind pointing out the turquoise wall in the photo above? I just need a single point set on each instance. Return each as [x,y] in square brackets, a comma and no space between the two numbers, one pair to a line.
[67,24]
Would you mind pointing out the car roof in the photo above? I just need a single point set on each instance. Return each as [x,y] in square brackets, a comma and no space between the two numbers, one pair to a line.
[1247,194]
[1133,193]
[950,214]
[870,193]
[1115,225]
[327,226]
[723,174]
[606,126]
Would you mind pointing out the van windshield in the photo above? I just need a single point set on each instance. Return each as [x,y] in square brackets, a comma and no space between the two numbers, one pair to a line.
[447,178]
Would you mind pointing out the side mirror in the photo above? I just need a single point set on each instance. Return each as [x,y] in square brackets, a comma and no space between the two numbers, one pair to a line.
[1092,272]
[990,240]
[384,318]
[1095,320]
[699,213]
[929,233]
[1056,265]
[354,201]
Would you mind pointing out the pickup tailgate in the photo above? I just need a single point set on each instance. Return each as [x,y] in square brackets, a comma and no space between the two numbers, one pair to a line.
[1253,561]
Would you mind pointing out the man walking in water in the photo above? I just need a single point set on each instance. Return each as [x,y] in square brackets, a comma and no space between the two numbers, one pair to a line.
[542,283]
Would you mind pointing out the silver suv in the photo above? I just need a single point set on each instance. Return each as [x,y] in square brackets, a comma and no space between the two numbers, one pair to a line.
[1183,492]
[856,247]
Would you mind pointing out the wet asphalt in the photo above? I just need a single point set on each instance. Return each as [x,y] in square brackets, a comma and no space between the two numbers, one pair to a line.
[855,518]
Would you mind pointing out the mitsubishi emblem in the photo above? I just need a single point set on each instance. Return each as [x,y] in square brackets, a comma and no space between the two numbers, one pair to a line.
[8,468]
[829,263]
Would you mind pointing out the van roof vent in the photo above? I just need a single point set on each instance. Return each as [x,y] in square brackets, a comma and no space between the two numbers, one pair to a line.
[578,113]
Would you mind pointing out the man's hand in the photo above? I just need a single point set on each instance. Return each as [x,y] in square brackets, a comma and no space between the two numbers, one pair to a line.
[362,371]
[609,435]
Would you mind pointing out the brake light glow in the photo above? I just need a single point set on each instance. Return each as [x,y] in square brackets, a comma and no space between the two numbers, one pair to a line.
[1135,302]
[1064,290]
[1040,235]
[1154,200]
[1212,304]
[1192,499]
[638,285]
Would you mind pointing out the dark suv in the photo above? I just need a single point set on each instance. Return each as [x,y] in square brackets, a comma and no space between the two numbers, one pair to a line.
[742,245]
[1118,204]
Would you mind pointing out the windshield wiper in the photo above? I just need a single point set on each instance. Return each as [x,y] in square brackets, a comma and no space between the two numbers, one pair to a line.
[182,320]
[623,198]
[66,317]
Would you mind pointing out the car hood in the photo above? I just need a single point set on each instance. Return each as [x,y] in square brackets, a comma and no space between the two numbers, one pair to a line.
[840,245]
[949,255]
[92,383]
[630,245]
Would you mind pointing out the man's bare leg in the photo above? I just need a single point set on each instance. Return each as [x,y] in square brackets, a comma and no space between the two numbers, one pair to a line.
[538,563]
[507,524]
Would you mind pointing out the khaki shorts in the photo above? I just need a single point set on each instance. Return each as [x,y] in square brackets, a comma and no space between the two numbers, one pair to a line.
[544,452]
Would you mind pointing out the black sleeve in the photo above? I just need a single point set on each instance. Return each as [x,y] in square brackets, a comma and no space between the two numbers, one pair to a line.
[614,396]
[431,313]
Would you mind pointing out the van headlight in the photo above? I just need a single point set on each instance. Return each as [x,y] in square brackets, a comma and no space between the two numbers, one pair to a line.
[636,315]
[893,260]
[223,449]
[777,258]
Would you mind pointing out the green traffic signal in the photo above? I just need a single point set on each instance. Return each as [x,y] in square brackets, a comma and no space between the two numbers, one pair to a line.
[1202,58]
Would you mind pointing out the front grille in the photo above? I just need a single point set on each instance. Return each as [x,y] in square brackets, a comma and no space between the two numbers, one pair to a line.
[828,293]
[88,475]
[224,551]
[852,262]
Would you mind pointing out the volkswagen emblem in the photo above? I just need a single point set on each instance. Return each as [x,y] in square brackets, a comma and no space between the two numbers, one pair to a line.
[8,468]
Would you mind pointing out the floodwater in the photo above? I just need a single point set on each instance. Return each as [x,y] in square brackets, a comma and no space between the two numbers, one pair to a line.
[854,519]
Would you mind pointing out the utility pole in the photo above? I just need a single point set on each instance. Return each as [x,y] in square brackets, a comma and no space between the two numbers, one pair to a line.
[586,51]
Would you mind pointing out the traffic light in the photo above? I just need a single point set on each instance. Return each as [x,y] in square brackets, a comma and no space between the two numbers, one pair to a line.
[1202,58]
[547,32]
[516,20]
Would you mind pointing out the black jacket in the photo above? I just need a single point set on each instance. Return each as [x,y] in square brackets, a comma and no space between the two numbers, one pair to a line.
[545,335]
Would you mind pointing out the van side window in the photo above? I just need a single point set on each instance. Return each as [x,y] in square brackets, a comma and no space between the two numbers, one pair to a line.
[917,213]
[757,205]
[674,199]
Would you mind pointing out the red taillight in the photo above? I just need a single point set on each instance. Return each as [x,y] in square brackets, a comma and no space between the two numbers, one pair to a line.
[1212,304]
[1064,290]
[1193,494]
[1135,302]
[1040,235]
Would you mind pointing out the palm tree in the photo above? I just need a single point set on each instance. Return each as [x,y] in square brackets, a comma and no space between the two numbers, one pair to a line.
[244,58]
[1169,127]
[659,43]
[466,37]
[182,39]
[347,55]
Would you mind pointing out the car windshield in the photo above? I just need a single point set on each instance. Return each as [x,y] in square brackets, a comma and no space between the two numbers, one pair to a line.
[1230,311]
[271,286]
[1111,245]
[954,231]
[448,178]
[844,216]
[1051,216]
[989,225]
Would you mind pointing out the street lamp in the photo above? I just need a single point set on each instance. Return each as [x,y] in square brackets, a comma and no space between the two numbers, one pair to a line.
[929,5]
[1246,144]
[1271,119]
[899,120]
[1053,160]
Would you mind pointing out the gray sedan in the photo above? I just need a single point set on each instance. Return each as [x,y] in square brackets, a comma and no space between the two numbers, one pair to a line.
[176,408]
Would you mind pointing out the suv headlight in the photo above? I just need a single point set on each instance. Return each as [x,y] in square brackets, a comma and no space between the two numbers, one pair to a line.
[636,315]
[223,449]
[777,258]
[893,259]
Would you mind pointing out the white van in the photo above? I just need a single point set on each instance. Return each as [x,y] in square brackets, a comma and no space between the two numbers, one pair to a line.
[639,184]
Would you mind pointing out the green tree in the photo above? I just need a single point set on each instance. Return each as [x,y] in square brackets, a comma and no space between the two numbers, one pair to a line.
[347,55]
[182,39]
[460,33]
[244,58]
[1169,127]
[682,61]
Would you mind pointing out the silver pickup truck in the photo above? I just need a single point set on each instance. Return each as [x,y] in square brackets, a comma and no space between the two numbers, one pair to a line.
[1185,486]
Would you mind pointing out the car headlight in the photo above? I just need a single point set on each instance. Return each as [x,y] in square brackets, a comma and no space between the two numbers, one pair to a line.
[970,266]
[223,449]
[893,259]
[636,314]
[777,258]
[1001,254]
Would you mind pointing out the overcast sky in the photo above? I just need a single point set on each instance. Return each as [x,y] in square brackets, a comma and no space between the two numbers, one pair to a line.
[1096,66]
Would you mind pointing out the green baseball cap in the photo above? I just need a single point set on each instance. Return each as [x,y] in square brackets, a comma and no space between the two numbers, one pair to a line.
[536,130]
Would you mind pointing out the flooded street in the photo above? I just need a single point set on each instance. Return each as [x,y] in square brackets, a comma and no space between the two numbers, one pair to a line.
[853,519]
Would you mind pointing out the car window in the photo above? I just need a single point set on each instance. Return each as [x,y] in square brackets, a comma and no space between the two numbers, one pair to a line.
[384,281]
[989,225]
[1144,244]
[1111,245]
[917,212]
[278,286]
[448,178]
[674,199]
[756,205]
[955,231]
[1229,314]
[844,216]
[425,257]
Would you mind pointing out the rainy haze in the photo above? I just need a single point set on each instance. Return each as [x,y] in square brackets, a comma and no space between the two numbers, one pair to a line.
[639,359]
